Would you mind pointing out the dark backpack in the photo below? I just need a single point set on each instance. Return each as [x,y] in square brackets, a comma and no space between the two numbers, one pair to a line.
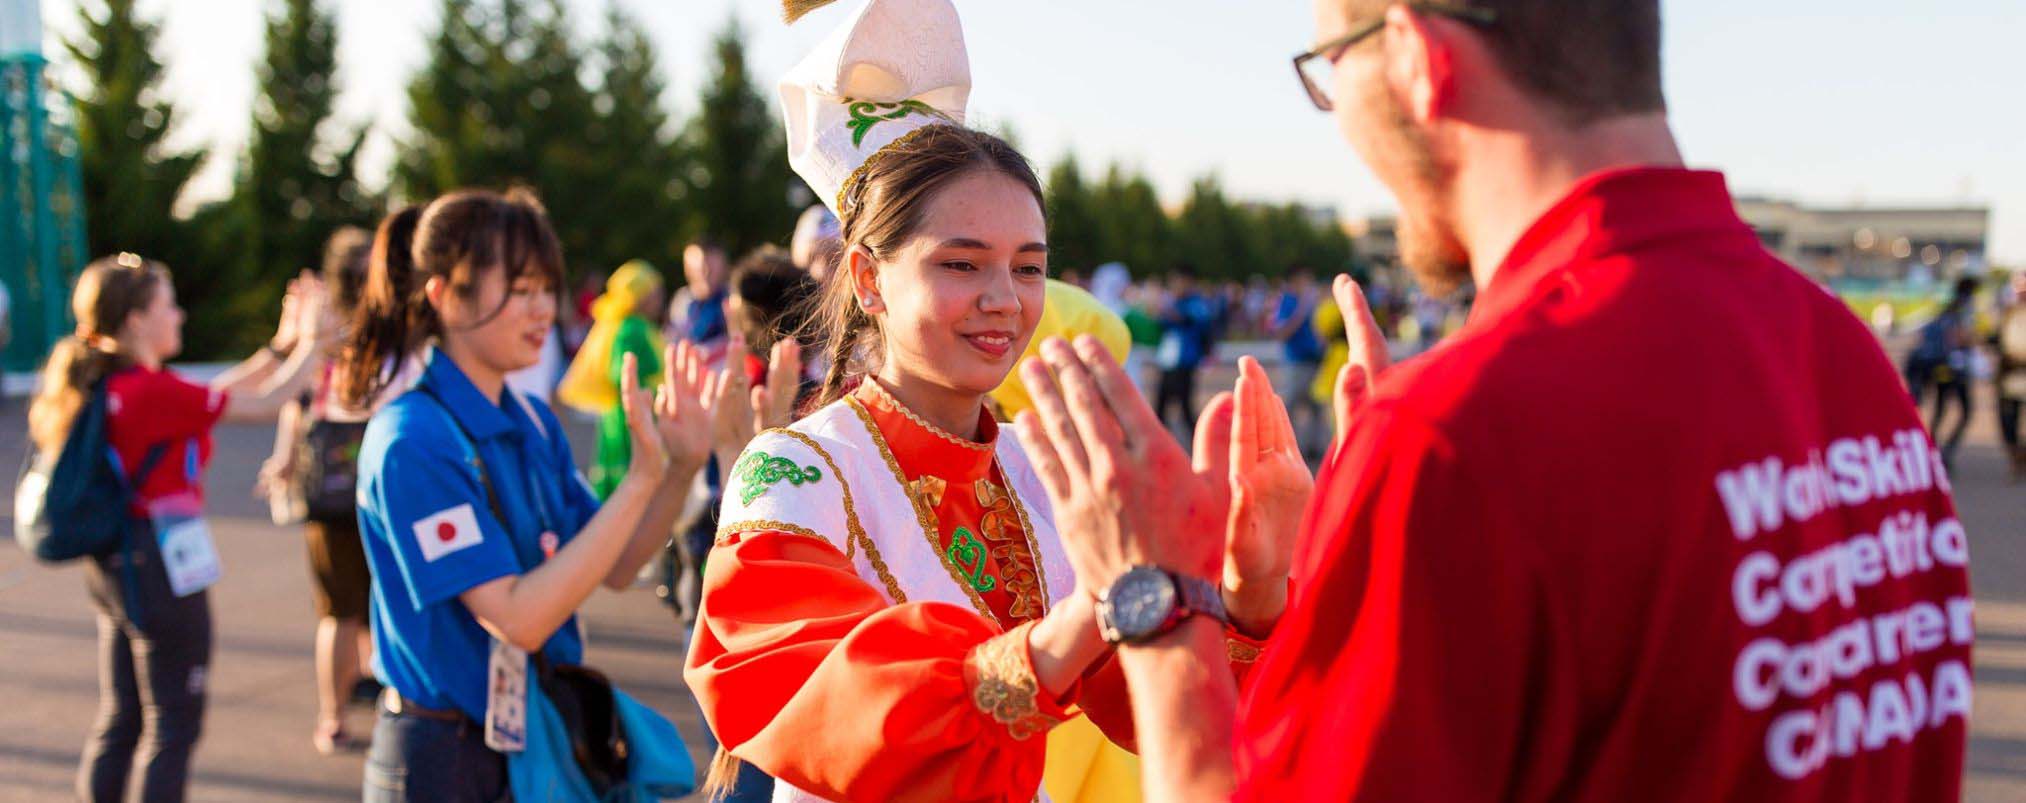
[74,503]
[329,470]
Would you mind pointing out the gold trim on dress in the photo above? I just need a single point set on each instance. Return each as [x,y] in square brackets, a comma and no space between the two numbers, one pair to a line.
[1003,685]
[1022,572]
[927,518]
[750,525]
[1239,651]
[1033,544]
[923,422]
[851,518]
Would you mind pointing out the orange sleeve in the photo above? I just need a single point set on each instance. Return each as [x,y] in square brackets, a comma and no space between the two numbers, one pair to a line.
[804,670]
[1104,698]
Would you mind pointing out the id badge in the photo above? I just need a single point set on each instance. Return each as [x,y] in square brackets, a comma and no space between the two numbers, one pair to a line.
[506,702]
[188,554]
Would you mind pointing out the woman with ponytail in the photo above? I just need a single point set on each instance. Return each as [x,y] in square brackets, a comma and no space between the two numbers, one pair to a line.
[888,614]
[482,536]
[155,632]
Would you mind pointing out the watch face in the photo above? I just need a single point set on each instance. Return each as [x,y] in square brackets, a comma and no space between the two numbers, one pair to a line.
[1141,601]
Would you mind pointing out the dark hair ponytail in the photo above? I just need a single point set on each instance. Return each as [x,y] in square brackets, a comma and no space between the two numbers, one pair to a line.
[108,291]
[458,238]
[388,321]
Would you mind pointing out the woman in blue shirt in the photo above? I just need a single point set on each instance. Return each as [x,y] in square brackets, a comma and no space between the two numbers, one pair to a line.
[482,536]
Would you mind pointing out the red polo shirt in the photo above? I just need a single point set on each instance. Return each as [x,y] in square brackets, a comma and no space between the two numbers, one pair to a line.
[146,406]
[1659,523]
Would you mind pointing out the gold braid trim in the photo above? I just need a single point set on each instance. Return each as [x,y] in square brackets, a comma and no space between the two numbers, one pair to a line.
[923,514]
[1003,685]
[1239,651]
[750,525]
[851,519]
[923,422]
[1033,546]
[851,181]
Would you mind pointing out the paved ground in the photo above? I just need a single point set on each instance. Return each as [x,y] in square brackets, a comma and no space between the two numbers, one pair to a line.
[256,746]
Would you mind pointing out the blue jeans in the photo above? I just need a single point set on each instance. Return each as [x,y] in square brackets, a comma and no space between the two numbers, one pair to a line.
[425,760]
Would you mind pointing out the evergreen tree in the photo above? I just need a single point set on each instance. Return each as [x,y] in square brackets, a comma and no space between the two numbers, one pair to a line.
[131,178]
[557,127]
[740,187]
[1073,225]
[1132,226]
[502,102]
[636,212]
[448,119]
[296,183]
[1215,235]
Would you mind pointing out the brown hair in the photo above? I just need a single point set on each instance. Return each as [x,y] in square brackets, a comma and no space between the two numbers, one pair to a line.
[460,238]
[1592,59]
[108,291]
[346,255]
[881,210]
[773,297]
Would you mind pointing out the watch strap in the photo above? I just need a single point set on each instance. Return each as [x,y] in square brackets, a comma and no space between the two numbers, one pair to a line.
[1199,596]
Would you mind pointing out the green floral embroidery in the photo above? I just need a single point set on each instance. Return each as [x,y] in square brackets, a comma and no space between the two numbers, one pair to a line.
[969,556]
[865,114]
[758,471]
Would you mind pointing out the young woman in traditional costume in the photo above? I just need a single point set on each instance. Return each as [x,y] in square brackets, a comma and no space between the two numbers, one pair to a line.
[887,612]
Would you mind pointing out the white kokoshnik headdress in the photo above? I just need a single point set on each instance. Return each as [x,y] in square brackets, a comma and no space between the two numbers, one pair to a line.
[897,67]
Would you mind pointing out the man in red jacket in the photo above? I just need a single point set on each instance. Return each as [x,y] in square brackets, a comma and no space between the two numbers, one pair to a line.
[1659,522]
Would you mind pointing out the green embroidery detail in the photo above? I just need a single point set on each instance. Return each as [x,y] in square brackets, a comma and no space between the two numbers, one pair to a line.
[969,556]
[758,471]
[865,114]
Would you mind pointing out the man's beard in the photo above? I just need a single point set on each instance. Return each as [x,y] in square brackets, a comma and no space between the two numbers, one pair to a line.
[1429,248]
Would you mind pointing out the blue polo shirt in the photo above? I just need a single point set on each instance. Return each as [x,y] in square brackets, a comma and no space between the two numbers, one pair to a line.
[431,532]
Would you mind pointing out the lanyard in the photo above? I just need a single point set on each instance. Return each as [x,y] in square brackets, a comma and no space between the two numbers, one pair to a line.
[542,517]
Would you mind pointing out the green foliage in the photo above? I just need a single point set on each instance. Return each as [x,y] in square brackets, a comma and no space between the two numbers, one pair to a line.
[509,95]
[638,211]
[1218,237]
[1132,226]
[131,178]
[297,181]
[502,102]
[1074,231]
[1120,219]
[740,187]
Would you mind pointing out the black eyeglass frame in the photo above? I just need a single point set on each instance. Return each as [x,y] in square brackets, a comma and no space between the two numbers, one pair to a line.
[1334,48]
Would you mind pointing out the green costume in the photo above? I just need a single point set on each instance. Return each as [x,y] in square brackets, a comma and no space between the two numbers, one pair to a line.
[615,445]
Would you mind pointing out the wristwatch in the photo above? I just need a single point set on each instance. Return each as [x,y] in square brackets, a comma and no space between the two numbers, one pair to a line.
[1147,601]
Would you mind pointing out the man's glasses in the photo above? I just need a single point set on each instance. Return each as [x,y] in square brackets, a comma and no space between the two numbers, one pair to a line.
[1313,66]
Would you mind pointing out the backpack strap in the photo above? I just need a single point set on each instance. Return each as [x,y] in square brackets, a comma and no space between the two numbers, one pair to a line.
[130,578]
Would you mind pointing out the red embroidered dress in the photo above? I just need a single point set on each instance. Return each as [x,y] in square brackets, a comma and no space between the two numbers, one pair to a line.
[832,668]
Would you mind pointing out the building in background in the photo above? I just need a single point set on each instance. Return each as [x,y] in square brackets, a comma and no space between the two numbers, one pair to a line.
[1896,243]
[1885,244]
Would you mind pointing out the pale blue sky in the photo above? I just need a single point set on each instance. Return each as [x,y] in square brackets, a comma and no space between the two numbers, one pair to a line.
[1830,101]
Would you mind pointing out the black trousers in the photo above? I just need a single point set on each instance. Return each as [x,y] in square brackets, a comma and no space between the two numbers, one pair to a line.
[152,677]
[1177,391]
[2008,420]
[1946,392]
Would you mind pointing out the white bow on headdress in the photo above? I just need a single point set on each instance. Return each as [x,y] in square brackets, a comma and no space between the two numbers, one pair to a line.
[895,68]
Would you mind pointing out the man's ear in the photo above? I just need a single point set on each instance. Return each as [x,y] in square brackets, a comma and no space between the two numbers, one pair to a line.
[865,279]
[1420,63]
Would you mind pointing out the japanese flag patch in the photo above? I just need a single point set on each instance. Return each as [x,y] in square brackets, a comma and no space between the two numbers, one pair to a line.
[447,531]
